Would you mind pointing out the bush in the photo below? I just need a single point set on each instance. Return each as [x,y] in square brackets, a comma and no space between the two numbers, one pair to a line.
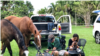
[3,14]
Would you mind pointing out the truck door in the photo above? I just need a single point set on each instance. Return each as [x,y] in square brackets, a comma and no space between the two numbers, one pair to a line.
[65,22]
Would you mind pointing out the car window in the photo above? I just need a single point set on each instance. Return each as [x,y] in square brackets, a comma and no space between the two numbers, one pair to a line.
[98,20]
[43,19]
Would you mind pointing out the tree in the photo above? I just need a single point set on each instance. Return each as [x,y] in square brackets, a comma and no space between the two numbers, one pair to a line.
[84,9]
[20,8]
[17,8]
[52,8]
[78,10]
[42,11]
[4,4]
[29,6]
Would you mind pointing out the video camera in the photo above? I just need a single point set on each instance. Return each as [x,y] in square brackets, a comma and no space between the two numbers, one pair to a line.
[75,43]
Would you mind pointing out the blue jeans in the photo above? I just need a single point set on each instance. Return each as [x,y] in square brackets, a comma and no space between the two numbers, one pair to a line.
[50,26]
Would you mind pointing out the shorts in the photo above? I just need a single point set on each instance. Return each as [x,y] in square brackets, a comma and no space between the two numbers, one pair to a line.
[61,52]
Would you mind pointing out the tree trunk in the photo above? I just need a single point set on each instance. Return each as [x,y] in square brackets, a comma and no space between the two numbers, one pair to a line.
[98,6]
[87,18]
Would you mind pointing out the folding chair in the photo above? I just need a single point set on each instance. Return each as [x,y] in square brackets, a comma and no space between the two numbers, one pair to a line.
[82,43]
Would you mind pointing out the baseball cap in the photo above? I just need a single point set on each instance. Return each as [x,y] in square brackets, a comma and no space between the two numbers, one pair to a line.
[50,37]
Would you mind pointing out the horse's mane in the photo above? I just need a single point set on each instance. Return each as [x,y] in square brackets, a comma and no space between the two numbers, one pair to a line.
[18,33]
[29,23]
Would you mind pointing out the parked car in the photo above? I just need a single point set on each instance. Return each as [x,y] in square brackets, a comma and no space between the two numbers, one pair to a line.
[48,24]
[96,27]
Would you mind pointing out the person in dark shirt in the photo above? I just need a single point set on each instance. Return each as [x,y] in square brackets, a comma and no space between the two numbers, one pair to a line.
[54,44]
[73,43]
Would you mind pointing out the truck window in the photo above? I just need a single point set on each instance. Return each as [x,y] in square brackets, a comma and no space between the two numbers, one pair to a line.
[98,20]
[43,19]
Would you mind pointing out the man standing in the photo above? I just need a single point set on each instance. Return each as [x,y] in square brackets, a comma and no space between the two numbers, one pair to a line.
[54,44]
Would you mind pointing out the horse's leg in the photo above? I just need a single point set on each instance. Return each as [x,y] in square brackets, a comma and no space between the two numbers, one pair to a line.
[28,39]
[25,39]
[20,50]
[7,43]
[3,50]
[1,46]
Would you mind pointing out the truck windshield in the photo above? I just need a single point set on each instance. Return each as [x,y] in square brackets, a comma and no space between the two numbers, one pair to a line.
[43,19]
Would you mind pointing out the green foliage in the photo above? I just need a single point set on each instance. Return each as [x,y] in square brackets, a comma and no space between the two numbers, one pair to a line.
[4,14]
[17,8]
[80,21]
[30,14]
[20,3]
[21,11]
[76,3]
[29,6]
[42,11]
[59,14]
[76,9]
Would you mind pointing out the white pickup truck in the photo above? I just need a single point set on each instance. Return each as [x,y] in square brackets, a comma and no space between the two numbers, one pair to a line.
[48,24]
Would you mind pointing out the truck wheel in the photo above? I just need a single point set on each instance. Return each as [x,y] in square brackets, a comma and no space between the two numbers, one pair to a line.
[97,38]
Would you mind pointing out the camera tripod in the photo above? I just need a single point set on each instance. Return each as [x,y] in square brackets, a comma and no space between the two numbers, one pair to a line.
[39,52]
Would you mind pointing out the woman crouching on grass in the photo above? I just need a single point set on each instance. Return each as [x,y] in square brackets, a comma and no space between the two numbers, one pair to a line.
[73,43]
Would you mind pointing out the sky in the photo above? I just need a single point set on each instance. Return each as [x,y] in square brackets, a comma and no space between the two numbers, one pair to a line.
[38,4]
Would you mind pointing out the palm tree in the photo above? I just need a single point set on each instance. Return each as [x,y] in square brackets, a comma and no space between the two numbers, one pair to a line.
[52,8]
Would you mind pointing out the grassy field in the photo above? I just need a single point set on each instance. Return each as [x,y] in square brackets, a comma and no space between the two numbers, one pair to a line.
[91,48]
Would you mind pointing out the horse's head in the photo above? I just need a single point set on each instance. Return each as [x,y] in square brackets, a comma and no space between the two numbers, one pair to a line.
[37,38]
[24,51]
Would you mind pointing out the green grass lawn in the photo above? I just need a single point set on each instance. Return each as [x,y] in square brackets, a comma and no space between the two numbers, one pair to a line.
[91,48]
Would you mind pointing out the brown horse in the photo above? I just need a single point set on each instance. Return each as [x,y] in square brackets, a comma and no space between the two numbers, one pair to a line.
[10,32]
[26,26]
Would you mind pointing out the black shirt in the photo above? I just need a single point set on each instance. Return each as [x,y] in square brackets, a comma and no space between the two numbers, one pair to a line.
[70,42]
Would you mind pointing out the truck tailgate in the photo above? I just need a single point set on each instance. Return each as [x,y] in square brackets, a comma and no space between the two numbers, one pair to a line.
[44,27]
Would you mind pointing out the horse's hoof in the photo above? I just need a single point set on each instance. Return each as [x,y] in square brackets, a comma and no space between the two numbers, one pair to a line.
[1,51]
[1,54]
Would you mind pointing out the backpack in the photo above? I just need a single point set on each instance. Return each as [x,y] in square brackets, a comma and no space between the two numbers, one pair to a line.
[62,41]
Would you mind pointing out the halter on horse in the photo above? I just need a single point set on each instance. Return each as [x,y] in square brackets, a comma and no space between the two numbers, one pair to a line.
[10,32]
